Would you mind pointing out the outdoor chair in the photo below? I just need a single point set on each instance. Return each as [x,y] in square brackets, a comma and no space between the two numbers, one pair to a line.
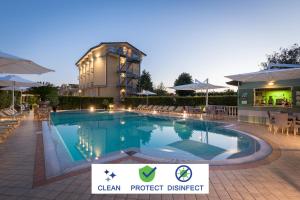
[179,109]
[159,108]
[296,127]
[281,121]
[165,109]
[149,108]
[271,121]
[139,107]
[142,107]
[171,108]
[154,108]
[9,123]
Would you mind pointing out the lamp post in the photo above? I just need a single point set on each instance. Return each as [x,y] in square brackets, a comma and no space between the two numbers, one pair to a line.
[80,91]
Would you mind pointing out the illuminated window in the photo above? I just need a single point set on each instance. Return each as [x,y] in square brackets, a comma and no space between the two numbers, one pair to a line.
[122,60]
[273,97]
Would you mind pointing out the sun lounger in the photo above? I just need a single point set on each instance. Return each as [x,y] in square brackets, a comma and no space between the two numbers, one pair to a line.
[165,109]
[9,122]
[162,108]
[149,108]
[179,109]
[154,108]
[143,107]
[159,108]
[139,107]
[171,108]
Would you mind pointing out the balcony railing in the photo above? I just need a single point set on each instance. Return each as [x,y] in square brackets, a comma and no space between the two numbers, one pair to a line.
[130,58]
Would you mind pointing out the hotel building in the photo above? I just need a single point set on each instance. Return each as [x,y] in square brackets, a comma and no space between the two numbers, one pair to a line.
[110,69]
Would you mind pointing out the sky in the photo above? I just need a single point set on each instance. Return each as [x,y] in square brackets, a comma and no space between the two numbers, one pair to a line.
[208,39]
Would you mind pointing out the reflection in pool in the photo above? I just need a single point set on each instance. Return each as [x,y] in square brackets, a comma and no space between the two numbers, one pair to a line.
[88,135]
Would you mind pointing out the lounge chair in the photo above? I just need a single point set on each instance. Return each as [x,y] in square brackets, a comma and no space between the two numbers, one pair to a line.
[159,108]
[179,109]
[154,108]
[149,108]
[165,109]
[171,109]
[9,113]
[12,123]
[143,107]
[139,107]
[281,121]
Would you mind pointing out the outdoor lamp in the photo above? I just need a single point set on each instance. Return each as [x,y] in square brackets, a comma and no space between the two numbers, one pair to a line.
[92,109]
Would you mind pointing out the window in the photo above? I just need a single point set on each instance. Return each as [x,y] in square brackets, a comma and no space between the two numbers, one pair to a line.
[280,97]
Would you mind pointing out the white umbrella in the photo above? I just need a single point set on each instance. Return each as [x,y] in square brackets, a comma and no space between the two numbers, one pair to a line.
[14,65]
[16,81]
[146,93]
[197,85]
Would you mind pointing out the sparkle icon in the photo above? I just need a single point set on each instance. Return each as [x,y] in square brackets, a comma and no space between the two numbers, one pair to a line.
[109,175]
[112,175]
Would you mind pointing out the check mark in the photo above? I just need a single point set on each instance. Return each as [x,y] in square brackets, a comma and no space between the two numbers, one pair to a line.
[148,174]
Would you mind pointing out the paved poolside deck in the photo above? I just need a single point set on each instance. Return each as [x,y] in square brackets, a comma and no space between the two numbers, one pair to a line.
[277,178]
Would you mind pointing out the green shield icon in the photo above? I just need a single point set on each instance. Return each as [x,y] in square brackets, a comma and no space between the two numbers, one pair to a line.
[147,173]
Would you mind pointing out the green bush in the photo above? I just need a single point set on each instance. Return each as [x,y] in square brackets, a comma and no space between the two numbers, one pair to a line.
[74,102]
[6,98]
[181,101]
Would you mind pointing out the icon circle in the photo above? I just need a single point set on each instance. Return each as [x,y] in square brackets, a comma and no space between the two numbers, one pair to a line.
[183,173]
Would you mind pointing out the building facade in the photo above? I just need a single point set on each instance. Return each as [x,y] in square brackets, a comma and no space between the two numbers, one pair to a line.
[110,69]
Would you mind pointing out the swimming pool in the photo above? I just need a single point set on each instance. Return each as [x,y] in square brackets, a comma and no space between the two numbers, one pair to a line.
[90,136]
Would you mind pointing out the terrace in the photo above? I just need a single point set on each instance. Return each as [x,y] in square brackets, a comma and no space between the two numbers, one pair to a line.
[22,171]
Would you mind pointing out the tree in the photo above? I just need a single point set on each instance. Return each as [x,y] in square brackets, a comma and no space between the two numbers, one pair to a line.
[284,56]
[161,90]
[47,92]
[145,82]
[184,78]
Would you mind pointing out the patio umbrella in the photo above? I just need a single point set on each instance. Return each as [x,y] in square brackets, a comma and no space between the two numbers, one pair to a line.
[197,85]
[14,65]
[146,93]
[14,81]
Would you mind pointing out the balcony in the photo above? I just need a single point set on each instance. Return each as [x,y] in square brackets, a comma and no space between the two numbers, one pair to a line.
[128,74]
[133,58]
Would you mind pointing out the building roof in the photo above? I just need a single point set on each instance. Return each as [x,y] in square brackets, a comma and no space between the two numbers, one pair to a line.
[282,66]
[110,43]
[267,75]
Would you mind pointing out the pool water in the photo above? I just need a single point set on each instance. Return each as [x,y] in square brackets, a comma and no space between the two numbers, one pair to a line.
[91,135]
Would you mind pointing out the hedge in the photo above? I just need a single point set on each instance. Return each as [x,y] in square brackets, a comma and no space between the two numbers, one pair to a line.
[6,98]
[74,102]
[181,101]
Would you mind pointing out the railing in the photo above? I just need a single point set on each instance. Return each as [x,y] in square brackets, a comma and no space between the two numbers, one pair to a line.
[131,58]
[231,111]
